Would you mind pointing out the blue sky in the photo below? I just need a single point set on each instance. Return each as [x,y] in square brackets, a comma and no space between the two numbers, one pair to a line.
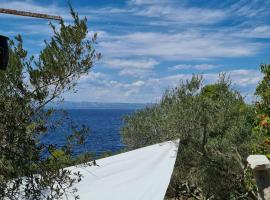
[149,46]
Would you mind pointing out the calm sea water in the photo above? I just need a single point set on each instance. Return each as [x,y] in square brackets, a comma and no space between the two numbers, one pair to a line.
[104,124]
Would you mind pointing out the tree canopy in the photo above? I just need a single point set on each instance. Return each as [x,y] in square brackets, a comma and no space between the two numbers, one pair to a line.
[214,126]
[28,85]
[262,125]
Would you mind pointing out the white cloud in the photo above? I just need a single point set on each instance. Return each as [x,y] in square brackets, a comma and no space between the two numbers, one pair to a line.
[34,29]
[129,63]
[138,83]
[182,15]
[135,73]
[245,78]
[177,12]
[103,87]
[177,46]
[132,67]
[250,9]
[93,76]
[262,31]
[136,34]
[145,2]
[189,66]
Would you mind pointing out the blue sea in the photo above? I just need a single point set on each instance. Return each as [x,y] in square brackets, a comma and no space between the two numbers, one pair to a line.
[104,124]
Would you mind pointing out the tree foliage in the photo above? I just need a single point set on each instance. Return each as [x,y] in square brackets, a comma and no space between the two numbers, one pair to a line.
[28,85]
[262,125]
[214,126]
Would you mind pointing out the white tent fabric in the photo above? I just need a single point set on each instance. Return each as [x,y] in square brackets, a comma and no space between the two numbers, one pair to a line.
[142,174]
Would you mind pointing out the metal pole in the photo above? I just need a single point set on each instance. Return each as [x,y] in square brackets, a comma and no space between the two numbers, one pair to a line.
[29,14]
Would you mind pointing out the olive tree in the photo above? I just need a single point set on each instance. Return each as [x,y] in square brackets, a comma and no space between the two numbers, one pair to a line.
[29,168]
[214,126]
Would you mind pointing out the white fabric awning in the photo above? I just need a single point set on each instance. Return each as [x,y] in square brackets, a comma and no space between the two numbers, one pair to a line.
[142,174]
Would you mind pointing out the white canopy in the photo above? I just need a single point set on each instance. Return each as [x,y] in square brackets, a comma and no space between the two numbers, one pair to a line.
[142,174]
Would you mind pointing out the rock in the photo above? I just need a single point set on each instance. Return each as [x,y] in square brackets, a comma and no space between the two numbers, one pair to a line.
[261,169]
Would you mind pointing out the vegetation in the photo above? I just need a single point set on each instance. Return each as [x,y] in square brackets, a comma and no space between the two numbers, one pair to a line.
[30,169]
[214,125]
[263,112]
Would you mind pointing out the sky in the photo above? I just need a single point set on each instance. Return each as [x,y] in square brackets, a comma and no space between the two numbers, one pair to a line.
[149,46]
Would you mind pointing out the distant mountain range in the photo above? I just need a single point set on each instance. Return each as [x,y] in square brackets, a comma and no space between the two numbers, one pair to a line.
[98,105]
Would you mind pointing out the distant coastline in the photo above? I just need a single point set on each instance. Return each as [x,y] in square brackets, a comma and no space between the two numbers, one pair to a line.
[98,105]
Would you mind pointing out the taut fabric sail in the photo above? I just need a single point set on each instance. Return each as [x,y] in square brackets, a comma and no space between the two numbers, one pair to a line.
[142,174]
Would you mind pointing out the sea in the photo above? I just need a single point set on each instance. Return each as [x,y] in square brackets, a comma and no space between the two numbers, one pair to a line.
[104,125]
